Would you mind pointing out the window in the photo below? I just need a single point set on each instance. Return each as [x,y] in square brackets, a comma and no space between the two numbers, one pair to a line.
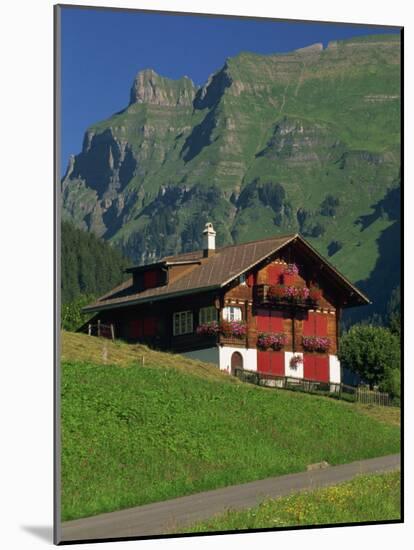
[151,278]
[242,279]
[182,323]
[231,313]
[207,314]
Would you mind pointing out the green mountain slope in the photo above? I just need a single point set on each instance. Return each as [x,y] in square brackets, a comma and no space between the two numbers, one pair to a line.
[307,141]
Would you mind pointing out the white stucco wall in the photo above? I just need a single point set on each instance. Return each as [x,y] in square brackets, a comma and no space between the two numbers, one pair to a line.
[221,356]
[290,371]
[249,357]
[334,369]
[207,355]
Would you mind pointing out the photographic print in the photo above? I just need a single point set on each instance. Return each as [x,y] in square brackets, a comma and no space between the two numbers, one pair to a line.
[229,225]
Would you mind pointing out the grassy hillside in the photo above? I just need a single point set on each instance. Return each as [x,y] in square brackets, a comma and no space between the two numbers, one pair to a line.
[133,434]
[81,347]
[366,498]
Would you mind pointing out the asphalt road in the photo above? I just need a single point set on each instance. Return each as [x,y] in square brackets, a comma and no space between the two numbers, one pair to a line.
[164,517]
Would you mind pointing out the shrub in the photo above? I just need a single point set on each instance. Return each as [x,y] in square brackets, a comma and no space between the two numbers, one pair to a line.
[71,314]
[371,352]
[391,383]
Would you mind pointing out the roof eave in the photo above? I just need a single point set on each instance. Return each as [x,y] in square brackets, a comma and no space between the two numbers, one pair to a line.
[138,301]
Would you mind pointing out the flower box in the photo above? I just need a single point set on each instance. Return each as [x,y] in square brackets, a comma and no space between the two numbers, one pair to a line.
[295,361]
[275,340]
[295,294]
[236,329]
[315,293]
[276,292]
[316,343]
[208,329]
[291,269]
[289,274]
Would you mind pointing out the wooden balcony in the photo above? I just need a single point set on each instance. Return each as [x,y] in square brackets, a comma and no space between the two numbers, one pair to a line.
[261,298]
[232,341]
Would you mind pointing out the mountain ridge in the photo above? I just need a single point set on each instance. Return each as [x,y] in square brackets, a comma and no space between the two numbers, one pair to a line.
[302,141]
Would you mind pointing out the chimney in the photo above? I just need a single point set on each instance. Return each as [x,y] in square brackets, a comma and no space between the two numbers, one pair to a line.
[209,240]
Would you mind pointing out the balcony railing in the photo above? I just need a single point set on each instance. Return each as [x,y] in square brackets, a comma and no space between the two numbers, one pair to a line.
[232,340]
[262,297]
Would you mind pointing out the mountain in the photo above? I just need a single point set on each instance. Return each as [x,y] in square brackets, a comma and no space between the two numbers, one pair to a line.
[307,141]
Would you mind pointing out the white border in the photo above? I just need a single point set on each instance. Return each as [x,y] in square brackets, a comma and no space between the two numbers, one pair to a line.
[26,322]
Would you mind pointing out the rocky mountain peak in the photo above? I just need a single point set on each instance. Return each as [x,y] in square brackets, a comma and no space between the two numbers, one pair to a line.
[209,94]
[151,88]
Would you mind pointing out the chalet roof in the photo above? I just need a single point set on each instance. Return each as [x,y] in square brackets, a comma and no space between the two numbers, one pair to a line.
[208,273]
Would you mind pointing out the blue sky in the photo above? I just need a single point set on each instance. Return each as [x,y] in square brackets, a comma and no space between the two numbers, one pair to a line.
[102,50]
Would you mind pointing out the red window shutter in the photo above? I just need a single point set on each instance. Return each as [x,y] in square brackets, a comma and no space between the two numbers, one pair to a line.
[277,359]
[322,368]
[276,321]
[149,326]
[263,361]
[263,320]
[308,366]
[150,279]
[135,328]
[250,280]
[309,324]
[321,328]
[274,273]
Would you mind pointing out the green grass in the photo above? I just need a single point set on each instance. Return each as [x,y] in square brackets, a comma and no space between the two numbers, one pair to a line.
[138,434]
[366,498]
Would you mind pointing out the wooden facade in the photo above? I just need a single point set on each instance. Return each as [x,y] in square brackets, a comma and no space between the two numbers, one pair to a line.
[157,321]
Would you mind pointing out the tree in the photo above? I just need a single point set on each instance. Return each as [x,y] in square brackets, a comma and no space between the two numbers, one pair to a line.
[88,265]
[334,246]
[72,316]
[317,230]
[372,352]
[394,312]
[391,382]
[329,206]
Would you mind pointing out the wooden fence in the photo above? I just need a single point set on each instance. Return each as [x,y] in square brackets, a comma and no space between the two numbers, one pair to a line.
[374,397]
[341,391]
[99,329]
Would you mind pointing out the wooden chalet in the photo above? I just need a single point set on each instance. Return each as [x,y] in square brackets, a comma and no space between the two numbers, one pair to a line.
[272,306]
